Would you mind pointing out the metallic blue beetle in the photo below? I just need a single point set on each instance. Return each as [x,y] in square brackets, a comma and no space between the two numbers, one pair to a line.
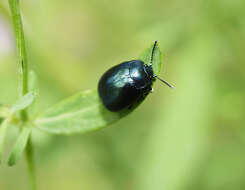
[127,84]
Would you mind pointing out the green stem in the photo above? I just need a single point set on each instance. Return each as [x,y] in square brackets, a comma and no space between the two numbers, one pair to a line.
[20,42]
[30,163]
[22,59]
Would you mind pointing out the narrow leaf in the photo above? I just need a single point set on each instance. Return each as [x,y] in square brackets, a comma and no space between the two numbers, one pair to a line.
[157,58]
[84,112]
[81,113]
[19,146]
[3,130]
[23,102]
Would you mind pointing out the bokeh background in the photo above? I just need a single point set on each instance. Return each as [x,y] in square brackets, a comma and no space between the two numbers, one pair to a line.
[192,137]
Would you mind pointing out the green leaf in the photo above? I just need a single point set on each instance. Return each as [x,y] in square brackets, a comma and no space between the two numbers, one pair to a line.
[80,113]
[19,146]
[84,112]
[157,58]
[23,102]
[3,130]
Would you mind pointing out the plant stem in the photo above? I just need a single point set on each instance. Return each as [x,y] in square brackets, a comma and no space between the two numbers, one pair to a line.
[20,42]
[23,77]
[30,164]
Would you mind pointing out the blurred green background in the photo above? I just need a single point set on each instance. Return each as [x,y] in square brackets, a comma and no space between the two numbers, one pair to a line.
[192,137]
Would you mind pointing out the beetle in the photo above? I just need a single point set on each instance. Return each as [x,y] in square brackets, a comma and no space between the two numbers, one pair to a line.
[127,84]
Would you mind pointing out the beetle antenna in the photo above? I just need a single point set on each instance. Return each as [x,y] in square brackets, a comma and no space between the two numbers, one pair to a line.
[152,53]
[165,82]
